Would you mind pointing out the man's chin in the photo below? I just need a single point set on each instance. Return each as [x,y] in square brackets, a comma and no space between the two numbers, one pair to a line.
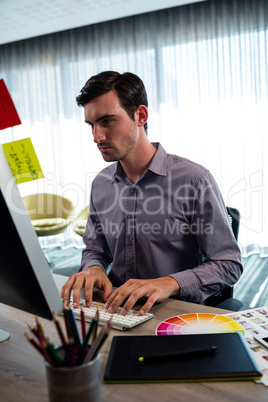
[109,158]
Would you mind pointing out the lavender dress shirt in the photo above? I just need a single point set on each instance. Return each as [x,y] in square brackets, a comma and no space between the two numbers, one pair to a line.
[171,222]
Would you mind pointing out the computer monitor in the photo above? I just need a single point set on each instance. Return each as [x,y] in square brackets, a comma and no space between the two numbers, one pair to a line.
[26,281]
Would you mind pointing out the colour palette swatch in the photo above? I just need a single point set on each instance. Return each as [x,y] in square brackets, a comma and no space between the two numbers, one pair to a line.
[198,323]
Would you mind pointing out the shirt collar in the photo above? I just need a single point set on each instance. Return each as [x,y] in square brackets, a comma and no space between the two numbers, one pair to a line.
[157,166]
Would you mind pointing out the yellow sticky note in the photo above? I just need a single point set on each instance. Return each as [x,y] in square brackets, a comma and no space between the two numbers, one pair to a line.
[23,161]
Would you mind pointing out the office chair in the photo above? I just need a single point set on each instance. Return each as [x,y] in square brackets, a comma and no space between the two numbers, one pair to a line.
[224,297]
[79,223]
[50,214]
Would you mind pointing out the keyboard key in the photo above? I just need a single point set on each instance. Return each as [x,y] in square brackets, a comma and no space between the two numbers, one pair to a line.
[119,321]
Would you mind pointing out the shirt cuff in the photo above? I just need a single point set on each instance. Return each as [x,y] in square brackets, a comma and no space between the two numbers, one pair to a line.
[189,286]
[90,263]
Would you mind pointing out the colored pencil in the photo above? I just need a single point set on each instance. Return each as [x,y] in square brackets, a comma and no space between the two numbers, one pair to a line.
[96,346]
[94,331]
[66,320]
[35,344]
[34,331]
[83,321]
[68,353]
[73,327]
[52,353]
[84,347]
[59,329]
[75,352]
[39,327]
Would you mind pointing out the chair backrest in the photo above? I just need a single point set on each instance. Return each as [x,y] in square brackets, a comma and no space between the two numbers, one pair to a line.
[46,205]
[226,293]
[234,218]
[79,223]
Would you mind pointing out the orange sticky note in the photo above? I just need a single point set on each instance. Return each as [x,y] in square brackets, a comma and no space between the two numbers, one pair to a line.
[8,113]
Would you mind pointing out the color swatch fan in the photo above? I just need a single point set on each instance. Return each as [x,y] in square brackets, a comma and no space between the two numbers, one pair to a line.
[198,324]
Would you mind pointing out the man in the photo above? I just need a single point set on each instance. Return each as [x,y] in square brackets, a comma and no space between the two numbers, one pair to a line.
[157,226]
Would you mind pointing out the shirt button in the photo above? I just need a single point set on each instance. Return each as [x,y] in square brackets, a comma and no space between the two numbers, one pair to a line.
[129,243]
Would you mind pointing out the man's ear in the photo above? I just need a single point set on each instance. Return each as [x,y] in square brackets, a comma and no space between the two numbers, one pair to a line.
[141,115]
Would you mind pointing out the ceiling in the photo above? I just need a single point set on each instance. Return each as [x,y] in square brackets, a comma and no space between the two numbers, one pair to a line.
[22,19]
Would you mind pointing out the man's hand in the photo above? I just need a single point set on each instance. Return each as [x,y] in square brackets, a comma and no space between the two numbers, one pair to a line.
[88,278]
[155,290]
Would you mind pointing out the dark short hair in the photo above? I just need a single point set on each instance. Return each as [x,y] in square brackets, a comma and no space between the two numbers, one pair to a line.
[128,86]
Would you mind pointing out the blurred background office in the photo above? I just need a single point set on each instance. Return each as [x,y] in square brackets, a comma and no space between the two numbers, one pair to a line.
[205,67]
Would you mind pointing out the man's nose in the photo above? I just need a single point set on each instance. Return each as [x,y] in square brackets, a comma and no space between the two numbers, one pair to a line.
[98,135]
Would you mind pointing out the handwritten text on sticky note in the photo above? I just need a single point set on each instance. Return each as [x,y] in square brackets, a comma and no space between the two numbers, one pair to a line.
[23,161]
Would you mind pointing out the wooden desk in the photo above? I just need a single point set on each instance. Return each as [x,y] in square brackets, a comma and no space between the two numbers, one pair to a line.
[23,378]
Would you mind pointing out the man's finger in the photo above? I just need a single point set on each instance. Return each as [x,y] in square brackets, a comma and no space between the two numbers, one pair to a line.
[149,304]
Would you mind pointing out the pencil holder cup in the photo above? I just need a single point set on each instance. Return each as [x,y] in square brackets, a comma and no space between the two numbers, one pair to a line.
[78,383]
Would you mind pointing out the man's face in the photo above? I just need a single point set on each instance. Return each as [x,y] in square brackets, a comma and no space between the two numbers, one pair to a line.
[114,132]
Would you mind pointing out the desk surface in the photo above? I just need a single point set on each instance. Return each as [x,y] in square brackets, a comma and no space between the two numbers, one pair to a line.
[23,378]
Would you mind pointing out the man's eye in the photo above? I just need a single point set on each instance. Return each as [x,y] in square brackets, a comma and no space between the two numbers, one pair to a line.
[106,122]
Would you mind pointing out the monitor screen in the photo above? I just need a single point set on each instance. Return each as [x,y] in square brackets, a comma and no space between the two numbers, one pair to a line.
[26,281]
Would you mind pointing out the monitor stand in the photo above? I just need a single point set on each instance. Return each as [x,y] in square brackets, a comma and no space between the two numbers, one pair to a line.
[4,335]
